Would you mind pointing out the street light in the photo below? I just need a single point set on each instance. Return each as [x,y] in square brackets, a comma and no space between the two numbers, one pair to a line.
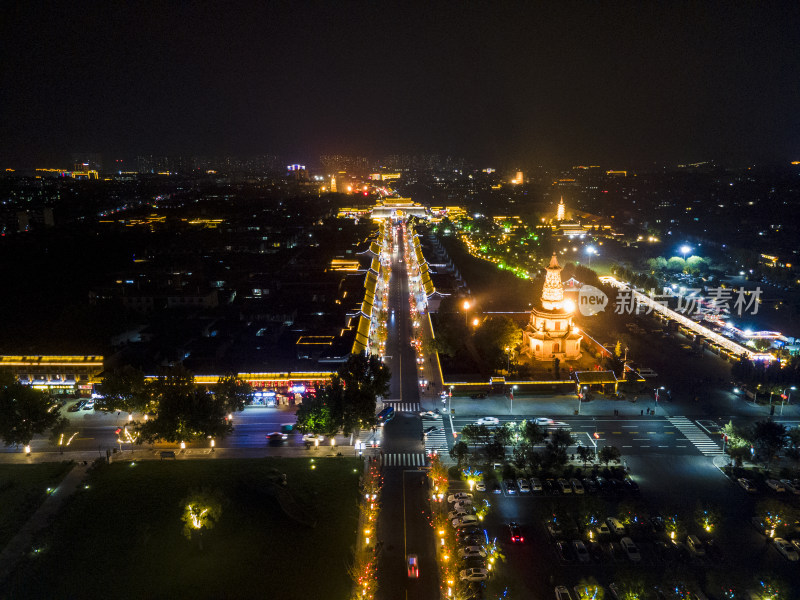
[788,398]
[591,250]
[685,250]
[466,312]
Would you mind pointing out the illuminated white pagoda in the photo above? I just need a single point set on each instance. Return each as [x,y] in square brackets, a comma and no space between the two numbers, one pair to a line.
[561,212]
[550,333]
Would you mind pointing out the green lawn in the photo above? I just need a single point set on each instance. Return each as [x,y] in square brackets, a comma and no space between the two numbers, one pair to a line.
[121,537]
[23,488]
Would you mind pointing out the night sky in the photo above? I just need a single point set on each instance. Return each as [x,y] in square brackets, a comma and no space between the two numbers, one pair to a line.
[616,84]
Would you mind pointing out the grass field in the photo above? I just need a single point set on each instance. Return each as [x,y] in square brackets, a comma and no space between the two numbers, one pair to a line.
[23,488]
[122,537]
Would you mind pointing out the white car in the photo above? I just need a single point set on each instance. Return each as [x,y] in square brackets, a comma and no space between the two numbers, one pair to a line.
[465,521]
[463,505]
[581,551]
[630,549]
[562,593]
[544,422]
[459,496]
[747,485]
[787,550]
[790,486]
[313,437]
[473,552]
[488,421]
[454,514]
[481,486]
[524,486]
[775,485]
[473,574]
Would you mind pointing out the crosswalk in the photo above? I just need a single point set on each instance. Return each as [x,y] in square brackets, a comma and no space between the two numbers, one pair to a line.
[436,441]
[694,434]
[403,406]
[403,459]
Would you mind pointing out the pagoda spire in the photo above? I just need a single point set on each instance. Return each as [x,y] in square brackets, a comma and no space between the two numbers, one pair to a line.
[561,210]
[553,290]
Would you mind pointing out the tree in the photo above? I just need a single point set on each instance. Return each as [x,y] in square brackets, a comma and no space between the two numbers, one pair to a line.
[125,389]
[607,454]
[561,439]
[475,434]
[706,516]
[185,411]
[24,412]
[586,454]
[532,433]
[202,509]
[363,379]
[776,516]
[769,436]
[459,452]
[314,416]
[495,450]
[589,589]
[233,392]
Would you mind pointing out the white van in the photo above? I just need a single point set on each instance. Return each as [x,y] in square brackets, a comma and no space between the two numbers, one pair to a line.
[615,526]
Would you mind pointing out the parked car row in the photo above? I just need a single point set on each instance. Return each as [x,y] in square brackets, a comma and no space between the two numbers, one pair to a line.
[791,486]
[561,486]
[470,539]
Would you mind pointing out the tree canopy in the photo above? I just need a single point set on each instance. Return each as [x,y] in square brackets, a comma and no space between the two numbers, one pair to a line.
[24,411]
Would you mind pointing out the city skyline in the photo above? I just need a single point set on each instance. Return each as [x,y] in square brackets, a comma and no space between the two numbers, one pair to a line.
[505,84]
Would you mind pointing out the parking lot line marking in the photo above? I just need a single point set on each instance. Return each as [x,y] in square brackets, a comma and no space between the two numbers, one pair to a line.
[663,446]
[641,439]
[627,446]
[644,446]
[617,432]
[629,426]
[680,446]
[652,432]
[669,432]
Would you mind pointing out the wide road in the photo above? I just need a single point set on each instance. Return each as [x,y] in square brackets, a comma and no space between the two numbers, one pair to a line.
[404,525]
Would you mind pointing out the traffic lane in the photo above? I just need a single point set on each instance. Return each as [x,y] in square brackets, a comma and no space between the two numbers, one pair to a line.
[419,538]
[403,434]
[390,542]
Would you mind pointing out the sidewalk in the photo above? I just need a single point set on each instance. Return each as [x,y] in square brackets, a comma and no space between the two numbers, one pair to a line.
[20,544]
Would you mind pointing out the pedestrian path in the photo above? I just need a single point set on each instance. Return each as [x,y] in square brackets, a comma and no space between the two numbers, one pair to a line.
[436,441]
[403,406]
[694,434]
[403,459]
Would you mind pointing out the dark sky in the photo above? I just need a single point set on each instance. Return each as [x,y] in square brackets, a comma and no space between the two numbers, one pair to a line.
[498,82]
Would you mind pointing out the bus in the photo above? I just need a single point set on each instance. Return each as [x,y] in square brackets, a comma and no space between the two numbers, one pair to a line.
[386,415]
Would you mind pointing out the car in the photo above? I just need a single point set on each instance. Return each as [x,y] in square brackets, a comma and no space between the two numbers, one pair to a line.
[589,486]
[472,540]
[601,483]
[562,593]
[602,530]
[430,429]
[77,406]
[631,485]
[695,545]
[524,486]
[580,551]
[790,486]
[775,485]
[386,415]
[550,487]
[747,485]
[630,549]
[463,505]
[536,485]
[473,574]
[565,551]
[488,421]
[459,496]
[312,438]
[276,437]
[496,488]
[472,552]
[454,514]
[89,405]
[553,529]
[515,533]
[787,550]
[428,414]
[563,486]
[469,530]
[511,487]
[413,566]
[615,526]
[577,487]
[543,421]
[464,521]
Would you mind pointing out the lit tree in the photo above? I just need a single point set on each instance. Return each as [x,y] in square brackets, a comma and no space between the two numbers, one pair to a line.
[589,589]
[775,515]
[202,510]
[674,527]
[233,392]
[24,412]
[706,517]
